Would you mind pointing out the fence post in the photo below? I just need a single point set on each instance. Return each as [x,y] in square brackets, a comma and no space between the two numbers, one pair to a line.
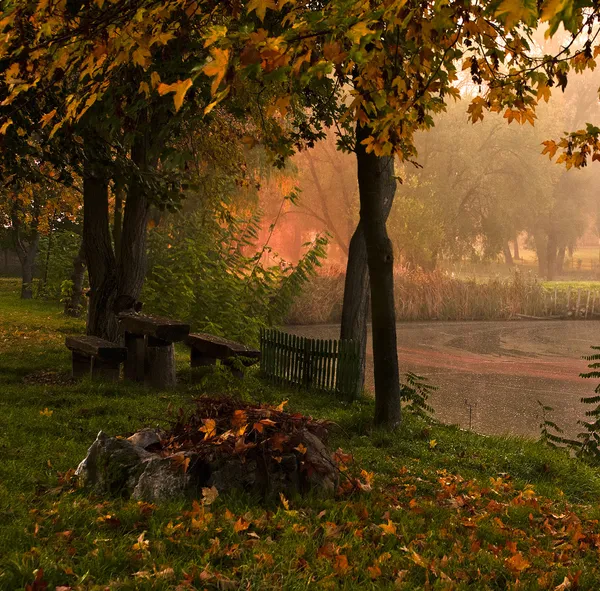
[306,364]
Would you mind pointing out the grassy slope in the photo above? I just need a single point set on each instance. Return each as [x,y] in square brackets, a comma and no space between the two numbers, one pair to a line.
[532,523]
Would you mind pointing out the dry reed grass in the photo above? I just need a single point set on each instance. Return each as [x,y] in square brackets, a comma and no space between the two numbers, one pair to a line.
[435,296]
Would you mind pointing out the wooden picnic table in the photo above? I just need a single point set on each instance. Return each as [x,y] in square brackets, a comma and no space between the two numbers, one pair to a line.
[150,351]
[206,349]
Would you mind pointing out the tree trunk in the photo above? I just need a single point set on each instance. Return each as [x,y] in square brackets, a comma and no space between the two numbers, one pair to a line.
[551,251]
[27,251]
[118,216]
[356,299]
[355,309]
[99,253]
[132,255]
[377,185]
[75,304]
[508,259]
[517,255]
[560,259]
[28,267]
[541,250]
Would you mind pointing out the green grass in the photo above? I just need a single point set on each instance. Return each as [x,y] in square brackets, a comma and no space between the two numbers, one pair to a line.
[461,511]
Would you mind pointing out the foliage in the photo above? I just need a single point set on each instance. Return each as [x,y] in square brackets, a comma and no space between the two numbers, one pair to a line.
[55,262]
[207,268]
[415,391]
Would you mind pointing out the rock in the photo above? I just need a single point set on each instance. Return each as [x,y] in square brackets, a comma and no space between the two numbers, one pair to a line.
[112,466]
[145,438]
[320,472]
[115,466]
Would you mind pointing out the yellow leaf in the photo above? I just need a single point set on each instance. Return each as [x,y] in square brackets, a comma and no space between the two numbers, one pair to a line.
[141,544]
[214,34]
[388,528]
[241,525]
[154,79]
[550,8]
[260,6]
[217,68]
[209,427]
[432,443]
[46,412]
[5,126]
[142,57]
[284,502]
[144,88]
[301,448]
[515,11]
[209,495]
[279,408]
[517,562]
[358,31]
[180,89]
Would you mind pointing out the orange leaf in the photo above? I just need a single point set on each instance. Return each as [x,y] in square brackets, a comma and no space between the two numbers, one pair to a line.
[209,428]
[180,89]
[388,528]
[517,562]
[341,564]
[241,525]
[217,68]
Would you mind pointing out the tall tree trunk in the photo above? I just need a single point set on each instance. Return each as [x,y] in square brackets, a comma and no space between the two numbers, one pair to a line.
[118,216]
[541,250]
[132,255]
[376,183]
[560,259]
[355,309]
[517,256]
[551,249]
[75,304]
[99,253]
[26,251]
[508,259]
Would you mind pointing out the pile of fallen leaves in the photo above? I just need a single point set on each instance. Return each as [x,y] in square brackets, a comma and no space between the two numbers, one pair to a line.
[218,427]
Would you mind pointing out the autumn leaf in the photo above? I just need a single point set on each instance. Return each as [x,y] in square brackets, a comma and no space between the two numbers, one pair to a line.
[46,412]
[358,32]
[340,565]
[209,495]
[217,68]
[241,525]
[261,6]
[374,571]
[142,544]
[5,126]
[209,427]
[517,562]
[388,528]
[284,502]
[47,118]
[180,89]
[281,406]
[515,11]
[301,449]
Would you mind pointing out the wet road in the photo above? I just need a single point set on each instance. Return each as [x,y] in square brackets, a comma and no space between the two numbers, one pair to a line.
[491,374]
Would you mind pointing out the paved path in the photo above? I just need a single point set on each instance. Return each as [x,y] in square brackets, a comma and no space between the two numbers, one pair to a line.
[491,374]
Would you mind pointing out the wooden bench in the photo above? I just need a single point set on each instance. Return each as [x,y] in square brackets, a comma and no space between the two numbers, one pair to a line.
[207,348]
[150,352]
[95,357]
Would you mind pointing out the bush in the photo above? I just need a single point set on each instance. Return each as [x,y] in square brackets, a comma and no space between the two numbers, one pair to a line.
[207,269]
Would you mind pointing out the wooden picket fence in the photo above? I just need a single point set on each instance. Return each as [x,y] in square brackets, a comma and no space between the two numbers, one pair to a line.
[325,365]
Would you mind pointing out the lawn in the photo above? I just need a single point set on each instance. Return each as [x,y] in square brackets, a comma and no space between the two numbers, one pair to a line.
[448,509]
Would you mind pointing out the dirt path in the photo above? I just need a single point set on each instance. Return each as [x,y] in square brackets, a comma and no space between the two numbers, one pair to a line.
[491,374]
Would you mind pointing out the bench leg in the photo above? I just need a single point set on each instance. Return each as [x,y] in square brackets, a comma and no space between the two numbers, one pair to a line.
[105,370]
[160,364]
[233,364]
[82,365]
[136,352]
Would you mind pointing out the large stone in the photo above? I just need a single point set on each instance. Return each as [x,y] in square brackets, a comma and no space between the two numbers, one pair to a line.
[115,466]
[112,466]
